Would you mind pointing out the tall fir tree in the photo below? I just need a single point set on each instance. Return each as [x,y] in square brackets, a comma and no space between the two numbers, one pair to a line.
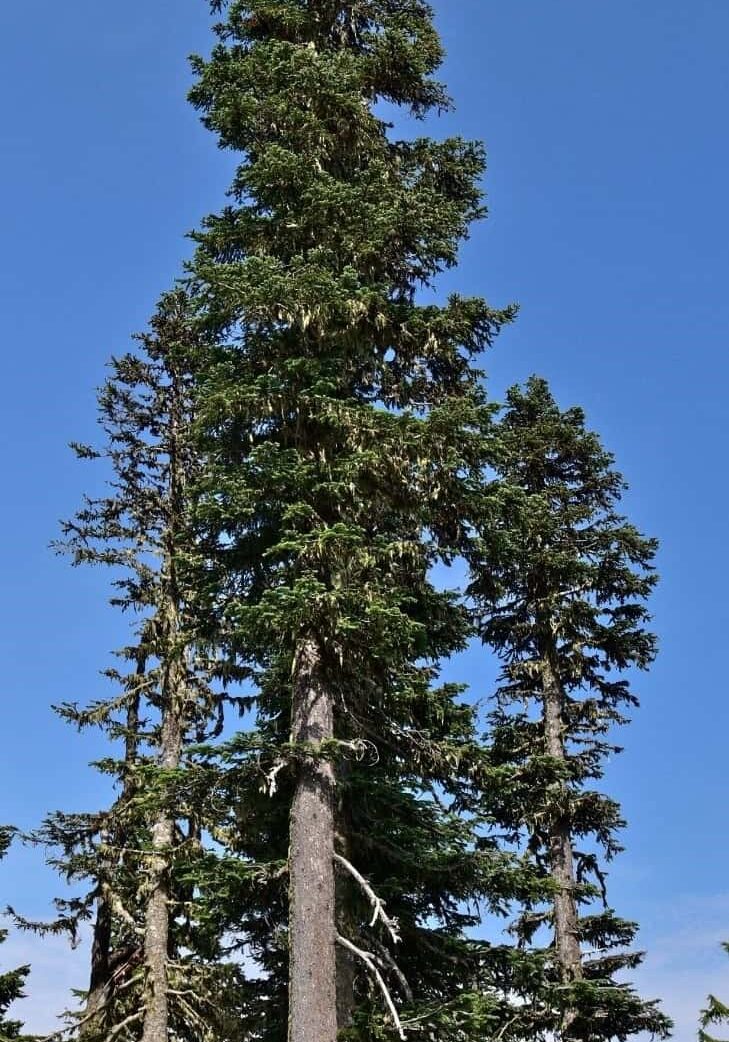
[340,416]
[559,583]
[399,816]
[154,975]
[12,982]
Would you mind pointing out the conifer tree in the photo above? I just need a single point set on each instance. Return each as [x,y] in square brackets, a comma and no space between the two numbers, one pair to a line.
[11,983]
[559,590]
[340,414]
[715,1015]
[399,815]
[153,977]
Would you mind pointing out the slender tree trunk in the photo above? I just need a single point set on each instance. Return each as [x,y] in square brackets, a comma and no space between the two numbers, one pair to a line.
[98,996]
[156,939]
[174,701]
[561,857]
[157,912]
[312,915]
[102,963]
[157,918]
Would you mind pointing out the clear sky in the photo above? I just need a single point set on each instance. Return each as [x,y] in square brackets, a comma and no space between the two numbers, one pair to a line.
[609,161]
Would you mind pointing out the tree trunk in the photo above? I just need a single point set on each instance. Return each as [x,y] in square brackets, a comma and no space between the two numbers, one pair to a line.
[98,996]
[561,857]
[173,657]
[102,963]
[157,918]
[312,914]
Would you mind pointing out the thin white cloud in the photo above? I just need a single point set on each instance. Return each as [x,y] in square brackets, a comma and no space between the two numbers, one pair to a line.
[685,960]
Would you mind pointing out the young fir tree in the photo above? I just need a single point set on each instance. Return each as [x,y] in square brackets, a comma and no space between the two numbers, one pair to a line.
[154,975]
[11,983]
[715,1015]
[560,591]
[341,417]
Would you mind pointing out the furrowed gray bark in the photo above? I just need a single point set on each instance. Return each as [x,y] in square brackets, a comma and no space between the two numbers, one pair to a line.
[173,659]
[99,984]
[312,915]
[157,917]
[561,854]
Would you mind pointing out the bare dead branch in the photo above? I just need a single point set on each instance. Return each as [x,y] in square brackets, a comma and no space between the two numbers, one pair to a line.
[270,783]
[369,962]
[379,912]
[125,916]
[124,1024]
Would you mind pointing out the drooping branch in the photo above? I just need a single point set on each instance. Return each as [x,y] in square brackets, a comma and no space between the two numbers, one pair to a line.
[368,959]
[391,925]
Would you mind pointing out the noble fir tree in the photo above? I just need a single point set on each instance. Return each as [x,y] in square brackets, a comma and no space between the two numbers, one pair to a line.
[154,975]
[560,588]
[12,982]
[340,417]
[715,1015]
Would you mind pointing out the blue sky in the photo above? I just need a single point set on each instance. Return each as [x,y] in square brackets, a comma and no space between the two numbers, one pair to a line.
[609,224]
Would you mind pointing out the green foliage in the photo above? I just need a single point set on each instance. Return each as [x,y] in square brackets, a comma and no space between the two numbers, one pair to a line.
[341,421]
[559,581]
[142,531]
[298,443]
